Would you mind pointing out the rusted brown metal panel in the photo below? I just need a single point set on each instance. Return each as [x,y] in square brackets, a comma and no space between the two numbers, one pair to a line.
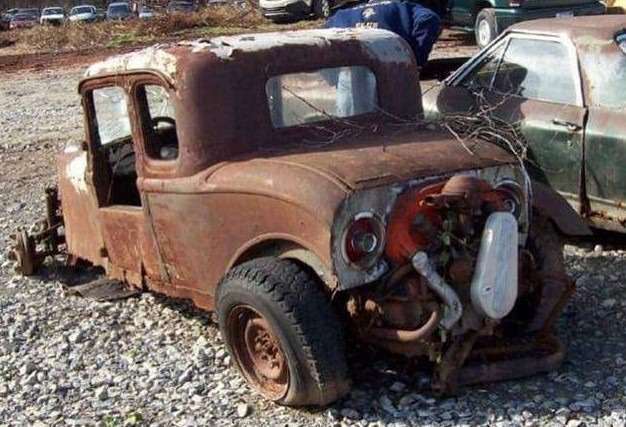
[600,27]
[190,229]
[83,231]
[130,245]
[250,125]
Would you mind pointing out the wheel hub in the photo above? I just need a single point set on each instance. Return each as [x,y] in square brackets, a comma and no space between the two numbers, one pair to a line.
[264,350]
[484,32]
[258,352]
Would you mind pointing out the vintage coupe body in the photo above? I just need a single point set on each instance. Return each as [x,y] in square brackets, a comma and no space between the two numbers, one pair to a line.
[559,82]
[285,181]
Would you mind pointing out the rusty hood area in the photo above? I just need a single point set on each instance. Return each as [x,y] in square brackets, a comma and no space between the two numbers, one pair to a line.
[386,157]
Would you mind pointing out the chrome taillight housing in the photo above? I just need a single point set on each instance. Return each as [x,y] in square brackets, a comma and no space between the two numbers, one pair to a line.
[363,240]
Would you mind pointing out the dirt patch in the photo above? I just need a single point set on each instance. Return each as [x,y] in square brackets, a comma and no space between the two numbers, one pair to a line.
[49,60]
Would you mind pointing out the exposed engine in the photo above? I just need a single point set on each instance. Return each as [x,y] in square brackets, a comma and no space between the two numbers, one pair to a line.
[453,252]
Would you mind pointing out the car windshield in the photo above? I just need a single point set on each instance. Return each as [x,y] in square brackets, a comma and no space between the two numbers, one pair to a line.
[302,98]
[83,9]
[55,11]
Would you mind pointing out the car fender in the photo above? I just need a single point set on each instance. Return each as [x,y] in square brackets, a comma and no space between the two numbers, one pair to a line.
[552,205]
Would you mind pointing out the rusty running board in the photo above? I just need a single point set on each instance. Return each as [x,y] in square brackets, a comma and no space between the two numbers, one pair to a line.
[103,289]
[500,363]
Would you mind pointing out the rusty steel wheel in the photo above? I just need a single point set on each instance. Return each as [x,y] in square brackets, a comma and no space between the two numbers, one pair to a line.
[282,332]
[258,352]
[23,252]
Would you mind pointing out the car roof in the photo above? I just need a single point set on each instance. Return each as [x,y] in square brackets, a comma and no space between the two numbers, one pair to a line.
[375,45]
[599,27]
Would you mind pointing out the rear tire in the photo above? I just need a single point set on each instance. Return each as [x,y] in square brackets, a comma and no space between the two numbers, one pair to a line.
[486,27]
[282,333]
[321,9]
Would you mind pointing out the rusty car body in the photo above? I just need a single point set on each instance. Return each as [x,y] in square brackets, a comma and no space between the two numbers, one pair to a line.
[286,181]
[559,82]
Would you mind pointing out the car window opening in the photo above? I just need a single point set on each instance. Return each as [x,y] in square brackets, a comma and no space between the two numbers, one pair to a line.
[303,98]
[115,149]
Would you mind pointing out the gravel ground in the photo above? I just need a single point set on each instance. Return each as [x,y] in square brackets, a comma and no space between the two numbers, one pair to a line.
[152,361]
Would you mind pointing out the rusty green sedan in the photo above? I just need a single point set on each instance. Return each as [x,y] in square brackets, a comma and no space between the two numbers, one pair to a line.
[559,81]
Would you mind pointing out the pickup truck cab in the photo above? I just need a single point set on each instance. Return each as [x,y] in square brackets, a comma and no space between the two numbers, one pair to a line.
[287,181]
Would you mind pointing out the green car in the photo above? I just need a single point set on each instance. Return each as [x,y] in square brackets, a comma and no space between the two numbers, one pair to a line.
[559,81]
[488,18]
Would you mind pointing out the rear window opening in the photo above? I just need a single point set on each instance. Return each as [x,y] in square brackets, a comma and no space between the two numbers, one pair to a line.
[302,98]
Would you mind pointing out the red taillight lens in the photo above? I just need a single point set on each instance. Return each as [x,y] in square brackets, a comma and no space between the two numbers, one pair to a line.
[363,240]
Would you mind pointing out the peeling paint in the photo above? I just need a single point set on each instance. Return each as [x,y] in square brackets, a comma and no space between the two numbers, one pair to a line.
[76,170]
[72,147]
[380,45]
[154,57]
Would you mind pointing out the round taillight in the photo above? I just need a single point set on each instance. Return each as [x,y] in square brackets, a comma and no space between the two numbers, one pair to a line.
[363,240]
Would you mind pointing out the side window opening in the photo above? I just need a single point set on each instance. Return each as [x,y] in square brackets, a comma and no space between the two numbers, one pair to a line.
[482,76]
[115,150]
[542,76]
[157,112]
[302,98]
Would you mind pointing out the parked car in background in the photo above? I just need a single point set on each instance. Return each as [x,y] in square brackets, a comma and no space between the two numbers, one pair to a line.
[180,7]
[52,15]
[5,18]
[118,11]
[23,20]
[286,10]
[83,13]
[145,12]
[488,18]
[561,81]
[32,12]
